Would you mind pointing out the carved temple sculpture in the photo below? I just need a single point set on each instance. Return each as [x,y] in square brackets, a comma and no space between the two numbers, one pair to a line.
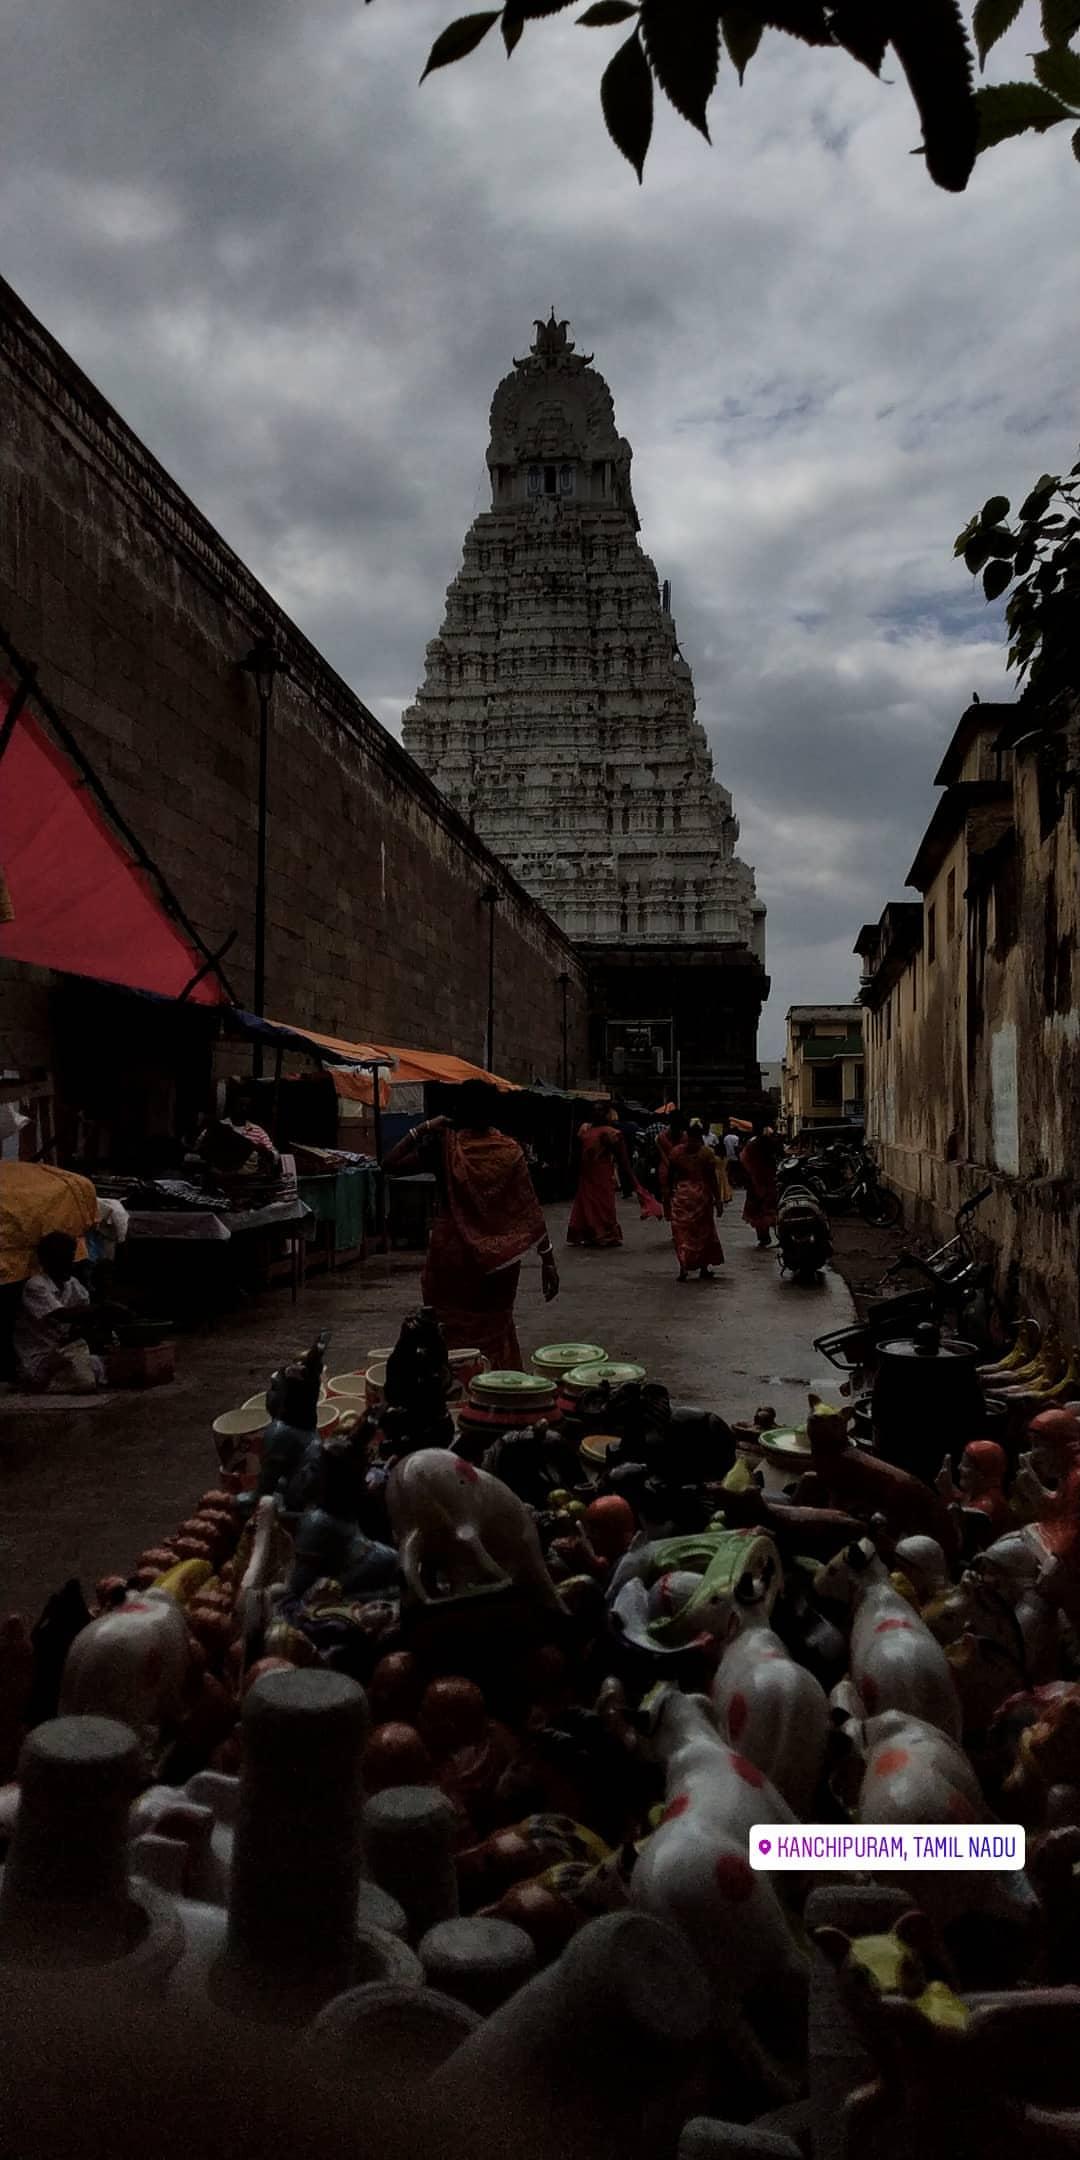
[557,714]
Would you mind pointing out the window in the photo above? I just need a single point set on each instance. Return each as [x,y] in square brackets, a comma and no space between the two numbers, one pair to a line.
[931,936]
[549,479]
[827,1086]
[566,479]
[950,904]
[535,480]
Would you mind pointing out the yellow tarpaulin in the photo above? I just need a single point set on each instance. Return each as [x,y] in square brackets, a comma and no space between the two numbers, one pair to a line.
[34,1199]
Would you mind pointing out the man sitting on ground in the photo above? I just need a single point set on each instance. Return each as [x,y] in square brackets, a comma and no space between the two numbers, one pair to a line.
[51,1350]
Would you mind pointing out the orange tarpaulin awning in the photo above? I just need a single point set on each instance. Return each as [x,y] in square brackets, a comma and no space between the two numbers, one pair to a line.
[78,899]
[409,1068]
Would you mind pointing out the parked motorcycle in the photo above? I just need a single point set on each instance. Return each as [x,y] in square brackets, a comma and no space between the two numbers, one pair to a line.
[956,1292]
[845,1181]
[802,1234]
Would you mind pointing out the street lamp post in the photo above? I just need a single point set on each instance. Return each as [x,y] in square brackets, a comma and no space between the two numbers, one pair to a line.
[564,985]
[490,896]
[263,665]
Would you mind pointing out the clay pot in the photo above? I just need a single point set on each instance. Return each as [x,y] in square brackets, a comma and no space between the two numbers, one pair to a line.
[395,1688]
[395,1755]
[453,1715]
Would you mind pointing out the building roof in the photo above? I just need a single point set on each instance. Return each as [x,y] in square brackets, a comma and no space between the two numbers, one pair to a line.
[948,822]
[977,720]
[824,1012]
[896,938]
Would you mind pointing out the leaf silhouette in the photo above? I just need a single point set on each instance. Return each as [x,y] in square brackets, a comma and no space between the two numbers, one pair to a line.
[995,578]
[742,30]
[861,27]
[990,21]
[607,12]
[682,39]
[930,42]
[1059,72]
[458,39]
[626,97]
[1006,109]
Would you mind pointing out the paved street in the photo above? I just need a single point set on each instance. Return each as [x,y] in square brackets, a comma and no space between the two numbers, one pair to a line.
[83,1492]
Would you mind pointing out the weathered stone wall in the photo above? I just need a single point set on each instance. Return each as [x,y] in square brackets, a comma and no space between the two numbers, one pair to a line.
[991,1052]
[136,614]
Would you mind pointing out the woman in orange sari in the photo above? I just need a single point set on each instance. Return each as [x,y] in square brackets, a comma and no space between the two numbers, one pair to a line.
[594,1217]
[488,1219]
[699,1189]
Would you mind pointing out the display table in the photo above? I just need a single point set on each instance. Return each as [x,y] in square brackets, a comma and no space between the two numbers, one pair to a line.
[199,1226]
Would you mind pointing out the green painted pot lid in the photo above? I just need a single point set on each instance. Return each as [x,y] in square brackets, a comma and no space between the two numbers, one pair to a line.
[559,1357]
[530,1385]
[590,1376]
[784,1440]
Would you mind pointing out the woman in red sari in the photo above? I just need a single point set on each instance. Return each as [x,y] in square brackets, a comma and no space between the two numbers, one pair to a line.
[488,1219]
[758,1164]
[698,1189]
[594,1217]
[666,1144]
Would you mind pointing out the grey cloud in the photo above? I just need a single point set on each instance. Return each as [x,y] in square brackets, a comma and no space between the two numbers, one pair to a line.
[300,277]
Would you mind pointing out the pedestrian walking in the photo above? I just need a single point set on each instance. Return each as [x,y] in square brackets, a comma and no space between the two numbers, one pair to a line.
[758,1162]
[666,1144]
[488,1219]
[698,1190]
[594,1218]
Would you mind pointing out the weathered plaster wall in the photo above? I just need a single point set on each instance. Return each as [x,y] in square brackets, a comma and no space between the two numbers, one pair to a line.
[991,1050]
[136,614]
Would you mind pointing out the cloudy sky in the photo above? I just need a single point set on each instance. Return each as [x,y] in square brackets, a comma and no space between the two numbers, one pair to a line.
[299,277]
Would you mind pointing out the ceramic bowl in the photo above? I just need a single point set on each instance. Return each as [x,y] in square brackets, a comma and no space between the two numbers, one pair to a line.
[328,1417]
[555,1359]
[256,1402]
[236,1424]
[466,1364]
[378,1357]
[346,1383]
[786,1447]
[375,1384]
[595,1450]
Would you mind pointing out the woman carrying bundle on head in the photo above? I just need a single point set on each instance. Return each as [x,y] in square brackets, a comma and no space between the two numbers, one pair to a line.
[698,1192]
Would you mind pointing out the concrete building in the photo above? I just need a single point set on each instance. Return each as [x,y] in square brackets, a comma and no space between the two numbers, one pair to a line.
[557,715]
[821,1077]
[972,997]
[137,616]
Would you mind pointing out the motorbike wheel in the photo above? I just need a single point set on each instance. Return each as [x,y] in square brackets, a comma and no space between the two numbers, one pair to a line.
[879,1206]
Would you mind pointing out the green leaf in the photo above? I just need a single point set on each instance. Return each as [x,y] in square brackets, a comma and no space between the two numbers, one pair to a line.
[862,28]
[607,12]
[995,578]
[931,44]
[962,539]
[990,21]
[994,510]
[1060,21]
[626,97]
[1059,72]
[1007,109]
[1000,540]
[513,26]
[682,39]
[977,553]
[458,39]
[1024,557]
[742,30]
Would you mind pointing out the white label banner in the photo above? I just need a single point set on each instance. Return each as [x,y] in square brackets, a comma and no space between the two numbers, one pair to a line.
[939,1848]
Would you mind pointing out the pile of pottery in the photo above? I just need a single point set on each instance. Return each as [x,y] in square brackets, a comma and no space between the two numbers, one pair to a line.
[435,1755]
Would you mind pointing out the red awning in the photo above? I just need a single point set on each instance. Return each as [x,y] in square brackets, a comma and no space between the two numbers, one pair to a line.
[79,902]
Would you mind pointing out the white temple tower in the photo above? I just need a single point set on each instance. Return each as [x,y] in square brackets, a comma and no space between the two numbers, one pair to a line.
[557,715]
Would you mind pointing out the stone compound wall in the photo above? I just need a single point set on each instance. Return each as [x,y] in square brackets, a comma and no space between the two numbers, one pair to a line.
[136,614]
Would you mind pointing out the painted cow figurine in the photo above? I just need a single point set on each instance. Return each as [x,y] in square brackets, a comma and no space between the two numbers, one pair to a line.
[133,1664]
[913,1773]
[773,1710]
[862,1482]
[694,1870]
[896,1663]
[452,1520]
